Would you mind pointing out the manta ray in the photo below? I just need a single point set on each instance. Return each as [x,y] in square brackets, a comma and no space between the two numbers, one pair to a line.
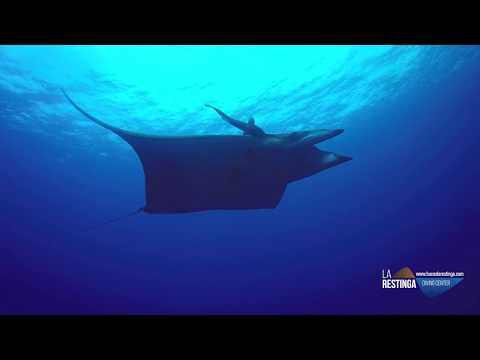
[224,172]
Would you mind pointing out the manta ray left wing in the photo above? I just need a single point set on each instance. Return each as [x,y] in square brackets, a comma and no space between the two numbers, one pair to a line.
[194,173]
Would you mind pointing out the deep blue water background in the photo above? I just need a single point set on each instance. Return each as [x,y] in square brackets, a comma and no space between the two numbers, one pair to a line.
[410,197]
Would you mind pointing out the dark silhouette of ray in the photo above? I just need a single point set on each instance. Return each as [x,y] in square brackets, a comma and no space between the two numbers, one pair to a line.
[249,171]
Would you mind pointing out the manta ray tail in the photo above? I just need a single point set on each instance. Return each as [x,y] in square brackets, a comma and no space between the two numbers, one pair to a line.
[248,128]
[121,217]
[227,118]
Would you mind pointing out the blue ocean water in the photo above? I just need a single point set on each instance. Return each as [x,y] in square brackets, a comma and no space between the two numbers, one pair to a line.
[408,198]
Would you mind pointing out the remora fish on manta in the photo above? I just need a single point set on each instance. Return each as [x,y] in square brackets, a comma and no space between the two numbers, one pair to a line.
[214,172]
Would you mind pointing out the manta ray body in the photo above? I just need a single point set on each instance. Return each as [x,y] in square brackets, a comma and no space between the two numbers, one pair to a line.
[249,171]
